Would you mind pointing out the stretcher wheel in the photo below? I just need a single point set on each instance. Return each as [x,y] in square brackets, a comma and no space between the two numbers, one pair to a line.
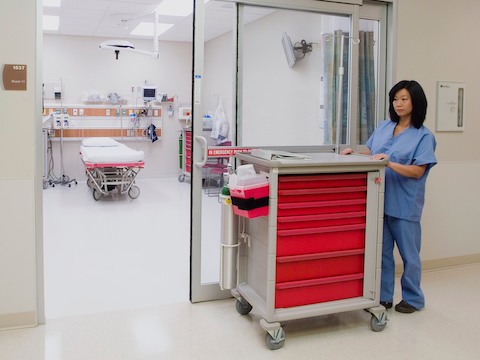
[134,192]
[376,324]
[243,307]
[90,183]
[181,178]
[96,194]
[274,344]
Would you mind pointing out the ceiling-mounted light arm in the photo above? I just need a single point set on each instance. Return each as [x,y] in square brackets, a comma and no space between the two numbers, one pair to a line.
[118,45]
[155,34]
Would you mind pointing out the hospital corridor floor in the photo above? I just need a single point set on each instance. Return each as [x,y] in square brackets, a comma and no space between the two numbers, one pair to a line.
[117,286]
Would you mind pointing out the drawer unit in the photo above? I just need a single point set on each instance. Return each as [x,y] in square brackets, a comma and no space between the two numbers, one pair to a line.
[188,151]
[318,251]
[320,238]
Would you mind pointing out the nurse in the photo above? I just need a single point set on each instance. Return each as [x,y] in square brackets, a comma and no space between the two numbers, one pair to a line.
[410,148]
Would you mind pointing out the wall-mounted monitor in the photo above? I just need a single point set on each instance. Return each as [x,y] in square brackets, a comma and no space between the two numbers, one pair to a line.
[149,93]
[289,50]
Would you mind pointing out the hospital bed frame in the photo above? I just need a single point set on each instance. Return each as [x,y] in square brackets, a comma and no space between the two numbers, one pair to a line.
[105,177]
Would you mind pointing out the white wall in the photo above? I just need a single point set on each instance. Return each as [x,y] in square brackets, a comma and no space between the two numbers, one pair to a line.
[82,67]
[18,173]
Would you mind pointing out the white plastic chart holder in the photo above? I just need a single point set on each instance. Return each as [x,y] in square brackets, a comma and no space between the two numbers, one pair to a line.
[450,106]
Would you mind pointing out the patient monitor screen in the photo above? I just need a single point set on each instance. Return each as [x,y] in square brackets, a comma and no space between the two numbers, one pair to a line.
[149,93]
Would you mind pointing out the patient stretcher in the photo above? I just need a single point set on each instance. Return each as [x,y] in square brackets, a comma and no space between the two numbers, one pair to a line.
[110,165]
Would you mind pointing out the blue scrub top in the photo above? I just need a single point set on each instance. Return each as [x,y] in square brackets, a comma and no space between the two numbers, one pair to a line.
[404,196]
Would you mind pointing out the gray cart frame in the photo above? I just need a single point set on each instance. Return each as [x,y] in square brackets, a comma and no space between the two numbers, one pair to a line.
[257,260]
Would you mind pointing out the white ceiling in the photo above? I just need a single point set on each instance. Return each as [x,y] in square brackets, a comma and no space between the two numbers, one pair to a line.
[102,18]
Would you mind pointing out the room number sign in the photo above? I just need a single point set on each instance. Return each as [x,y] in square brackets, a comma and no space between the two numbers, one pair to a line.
[14,77]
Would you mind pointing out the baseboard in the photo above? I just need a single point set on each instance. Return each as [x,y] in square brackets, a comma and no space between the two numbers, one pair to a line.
[18,320]
[444,263]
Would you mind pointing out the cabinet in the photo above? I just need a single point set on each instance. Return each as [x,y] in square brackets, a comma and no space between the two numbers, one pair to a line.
[186,155]
[319,249]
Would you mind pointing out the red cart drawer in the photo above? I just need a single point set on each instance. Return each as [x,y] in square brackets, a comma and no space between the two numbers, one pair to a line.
[316,240]
[314,266]
[325,194]
[320,220]
[321,207]
[305,292]
[321,181]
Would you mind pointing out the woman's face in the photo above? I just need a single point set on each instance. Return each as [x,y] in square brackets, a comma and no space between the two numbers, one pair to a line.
[402,103]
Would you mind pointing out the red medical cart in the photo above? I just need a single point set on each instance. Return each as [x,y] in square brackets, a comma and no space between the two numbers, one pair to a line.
[318,251]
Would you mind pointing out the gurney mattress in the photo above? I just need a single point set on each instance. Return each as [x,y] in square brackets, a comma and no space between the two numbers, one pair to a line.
[110,154]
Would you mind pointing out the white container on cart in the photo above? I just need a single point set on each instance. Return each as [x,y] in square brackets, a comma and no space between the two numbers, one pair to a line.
[318,251]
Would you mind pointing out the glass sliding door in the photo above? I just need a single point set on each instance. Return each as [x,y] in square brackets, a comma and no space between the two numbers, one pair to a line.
[213,112]
[267,73]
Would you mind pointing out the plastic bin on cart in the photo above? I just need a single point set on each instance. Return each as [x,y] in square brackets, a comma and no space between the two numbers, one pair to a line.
[249,192]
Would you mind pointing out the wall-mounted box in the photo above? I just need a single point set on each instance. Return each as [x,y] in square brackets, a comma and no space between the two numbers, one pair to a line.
[450,106]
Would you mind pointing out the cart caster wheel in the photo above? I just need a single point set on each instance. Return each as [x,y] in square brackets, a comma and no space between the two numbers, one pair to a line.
[273,344]
[243,307]
[96,194]
[376,324]
[181,178]
[134,192]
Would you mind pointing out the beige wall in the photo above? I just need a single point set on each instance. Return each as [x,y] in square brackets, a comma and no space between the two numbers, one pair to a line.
[18,174]
[436,42]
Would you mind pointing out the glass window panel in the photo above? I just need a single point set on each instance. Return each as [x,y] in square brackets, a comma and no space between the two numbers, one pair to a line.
[301,98]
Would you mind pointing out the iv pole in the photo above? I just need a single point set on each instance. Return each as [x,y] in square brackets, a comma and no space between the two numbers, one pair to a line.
[341,70]
[340,73]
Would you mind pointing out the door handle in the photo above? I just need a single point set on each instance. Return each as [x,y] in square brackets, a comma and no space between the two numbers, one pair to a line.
[203,144]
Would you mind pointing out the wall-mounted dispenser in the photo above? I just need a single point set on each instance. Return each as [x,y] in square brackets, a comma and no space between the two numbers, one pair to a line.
[450,106]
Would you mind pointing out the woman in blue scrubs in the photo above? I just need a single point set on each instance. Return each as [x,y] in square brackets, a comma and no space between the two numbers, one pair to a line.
[410,148]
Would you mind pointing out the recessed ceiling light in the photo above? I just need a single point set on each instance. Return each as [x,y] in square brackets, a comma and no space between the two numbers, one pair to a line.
[51,22]
[176,7]
[52,3]
[146,29]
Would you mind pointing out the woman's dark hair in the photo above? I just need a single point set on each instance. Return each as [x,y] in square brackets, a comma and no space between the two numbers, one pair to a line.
[419,101]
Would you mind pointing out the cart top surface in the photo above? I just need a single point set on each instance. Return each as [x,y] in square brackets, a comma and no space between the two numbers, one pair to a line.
[311,160]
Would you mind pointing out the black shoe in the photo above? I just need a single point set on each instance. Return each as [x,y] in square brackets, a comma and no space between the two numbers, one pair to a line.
[386,305]
[405,307]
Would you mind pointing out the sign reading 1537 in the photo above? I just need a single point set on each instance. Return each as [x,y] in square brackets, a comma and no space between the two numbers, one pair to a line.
[14,77]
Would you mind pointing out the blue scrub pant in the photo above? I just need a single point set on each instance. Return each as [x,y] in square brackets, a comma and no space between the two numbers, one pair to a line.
[407,236]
